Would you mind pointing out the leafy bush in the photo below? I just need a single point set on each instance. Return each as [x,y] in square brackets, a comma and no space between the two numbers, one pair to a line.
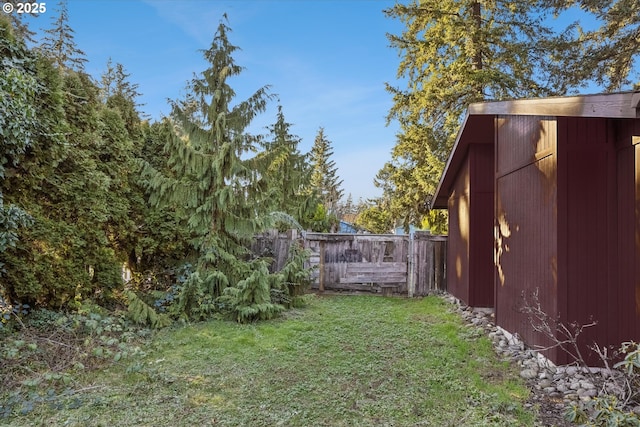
[38,360]
[11,312]
[250,299]
[615,408]
[295,275]
[602,412]
[143,314]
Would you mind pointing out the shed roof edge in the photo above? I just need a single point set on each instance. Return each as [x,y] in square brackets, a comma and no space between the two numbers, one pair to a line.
[437,200]
[607,105]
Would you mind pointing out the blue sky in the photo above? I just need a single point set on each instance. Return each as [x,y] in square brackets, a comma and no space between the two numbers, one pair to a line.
[327,60]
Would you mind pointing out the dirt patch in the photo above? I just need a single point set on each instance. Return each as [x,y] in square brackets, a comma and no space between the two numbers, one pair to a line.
[550,410]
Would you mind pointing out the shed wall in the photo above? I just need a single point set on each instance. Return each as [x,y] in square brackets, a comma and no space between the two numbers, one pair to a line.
[526,255]
[568,227]
[566,216]
[626,299]
[481,293]
[587,201]
[470,246]
[458,244]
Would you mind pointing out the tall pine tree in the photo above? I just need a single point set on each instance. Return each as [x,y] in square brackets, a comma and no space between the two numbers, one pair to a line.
[608,54]
[287,172]
[121,142]
[59,45]
[454,53]
[324,174]
[211,178]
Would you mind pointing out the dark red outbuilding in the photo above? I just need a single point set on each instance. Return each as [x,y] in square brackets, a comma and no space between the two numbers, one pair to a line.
[544,199]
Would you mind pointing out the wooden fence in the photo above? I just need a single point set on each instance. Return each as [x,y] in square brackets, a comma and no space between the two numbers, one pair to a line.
[374,263]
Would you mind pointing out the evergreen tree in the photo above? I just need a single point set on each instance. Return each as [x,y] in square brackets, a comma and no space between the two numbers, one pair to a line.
[18,126]
[107,81]
[212,179]
[114,81]
[287,172]
[375,217]
[160,240]
[17,22]
[62,183]
[117,92]
[608,54]
[115,150]
[347,210]
[58,44]
[324,174]
[454,53]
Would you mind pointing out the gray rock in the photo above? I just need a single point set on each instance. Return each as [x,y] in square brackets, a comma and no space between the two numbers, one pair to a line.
[571,370]
[587,385]
[568,384]
[544,383]
[592,392]
[575,385]
[528,374]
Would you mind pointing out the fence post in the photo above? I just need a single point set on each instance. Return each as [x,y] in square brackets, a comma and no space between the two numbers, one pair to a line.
[430,262]
[440,262]
[414,264]
[321,276]
[411,284]
[420,260]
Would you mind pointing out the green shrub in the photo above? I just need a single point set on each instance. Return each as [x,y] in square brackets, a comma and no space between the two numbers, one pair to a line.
[39,358]
[614,410]
[250,299]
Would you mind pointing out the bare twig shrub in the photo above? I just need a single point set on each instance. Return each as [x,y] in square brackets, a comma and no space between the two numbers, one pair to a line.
[561,335]
[618,384]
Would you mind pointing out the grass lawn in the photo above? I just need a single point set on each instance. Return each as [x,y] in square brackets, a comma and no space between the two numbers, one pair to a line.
[341,361]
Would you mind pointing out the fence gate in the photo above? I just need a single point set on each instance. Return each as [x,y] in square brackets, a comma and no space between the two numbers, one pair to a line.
[359,262]
[378,263]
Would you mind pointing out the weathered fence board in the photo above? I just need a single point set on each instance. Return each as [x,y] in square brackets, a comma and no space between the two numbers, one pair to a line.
[430,254]
[346,261]
[374,263]
[369,272]
[275,245]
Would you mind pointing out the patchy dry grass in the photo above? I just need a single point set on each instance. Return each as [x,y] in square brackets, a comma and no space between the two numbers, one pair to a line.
[341,361]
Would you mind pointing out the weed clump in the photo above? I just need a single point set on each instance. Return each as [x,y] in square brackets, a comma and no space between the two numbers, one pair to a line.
[42,351]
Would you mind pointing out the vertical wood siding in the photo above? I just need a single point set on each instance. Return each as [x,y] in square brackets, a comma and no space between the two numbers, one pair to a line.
[586,163]
[481,293]
[625,299]
[526,255]
[566,220]
[459,226]
[624,307]
[470,246]
[567,225]
[634,284]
